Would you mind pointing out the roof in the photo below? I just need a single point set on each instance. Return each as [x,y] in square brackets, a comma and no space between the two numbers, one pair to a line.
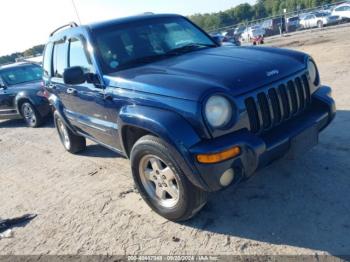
[62,31]
[15,65]
[343,4]
[129,19]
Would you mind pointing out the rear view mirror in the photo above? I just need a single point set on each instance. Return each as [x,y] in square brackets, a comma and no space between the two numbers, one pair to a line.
[74,75]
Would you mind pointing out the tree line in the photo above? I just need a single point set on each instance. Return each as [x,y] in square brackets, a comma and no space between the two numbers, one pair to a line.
[34,51]
[246,12]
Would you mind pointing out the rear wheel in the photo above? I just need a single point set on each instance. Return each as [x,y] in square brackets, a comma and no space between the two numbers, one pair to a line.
[71,142]
[31,115]
[157,173]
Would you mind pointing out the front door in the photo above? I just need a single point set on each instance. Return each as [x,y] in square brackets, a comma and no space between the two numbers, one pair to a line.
[87,107]
[7,105]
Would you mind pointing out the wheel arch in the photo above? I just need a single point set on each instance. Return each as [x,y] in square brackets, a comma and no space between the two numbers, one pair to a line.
[167,125]
[58,109]
[21,98]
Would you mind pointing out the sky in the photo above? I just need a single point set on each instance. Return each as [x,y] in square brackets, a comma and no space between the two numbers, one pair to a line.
[24,24]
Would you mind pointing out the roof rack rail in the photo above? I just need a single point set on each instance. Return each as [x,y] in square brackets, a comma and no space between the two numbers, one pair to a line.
[71,24]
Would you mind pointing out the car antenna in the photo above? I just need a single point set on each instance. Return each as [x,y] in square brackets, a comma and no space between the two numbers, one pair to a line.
[76,11]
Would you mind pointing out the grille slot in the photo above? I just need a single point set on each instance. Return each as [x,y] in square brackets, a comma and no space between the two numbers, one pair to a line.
[306,88]
[278,104]
[285,101]
[253,114]
[301,93]
[293,96]
[265,111]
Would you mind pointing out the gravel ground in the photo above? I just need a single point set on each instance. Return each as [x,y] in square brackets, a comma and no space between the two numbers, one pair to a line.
[86,204]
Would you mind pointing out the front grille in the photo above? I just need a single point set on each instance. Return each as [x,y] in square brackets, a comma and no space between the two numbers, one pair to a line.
[270,108]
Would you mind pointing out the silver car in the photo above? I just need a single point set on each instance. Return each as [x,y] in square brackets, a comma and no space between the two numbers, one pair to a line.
[319,19]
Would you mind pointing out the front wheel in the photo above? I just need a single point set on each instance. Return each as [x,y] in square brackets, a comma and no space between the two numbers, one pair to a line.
[156,168]
[319,24]
[71,142]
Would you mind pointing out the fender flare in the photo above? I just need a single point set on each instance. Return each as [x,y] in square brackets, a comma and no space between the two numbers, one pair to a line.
[35,100]
[58,108]
[170,127]
[23,96]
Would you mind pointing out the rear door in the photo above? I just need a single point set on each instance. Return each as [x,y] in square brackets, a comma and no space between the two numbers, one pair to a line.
[346,13]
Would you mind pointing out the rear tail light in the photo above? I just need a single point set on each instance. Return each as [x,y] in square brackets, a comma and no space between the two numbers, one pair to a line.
[43,92]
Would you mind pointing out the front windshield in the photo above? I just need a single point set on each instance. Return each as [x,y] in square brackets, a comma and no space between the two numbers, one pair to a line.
[21,74]
[126,45]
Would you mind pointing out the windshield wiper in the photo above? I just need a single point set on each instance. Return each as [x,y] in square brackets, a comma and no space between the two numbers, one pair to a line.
[188,48]
[142,60]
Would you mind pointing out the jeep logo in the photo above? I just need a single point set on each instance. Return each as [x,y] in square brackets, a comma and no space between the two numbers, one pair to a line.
[272,73]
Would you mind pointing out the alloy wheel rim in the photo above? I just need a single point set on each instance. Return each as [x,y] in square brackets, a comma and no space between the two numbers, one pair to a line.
[28,114]
[159,181]
[63,132]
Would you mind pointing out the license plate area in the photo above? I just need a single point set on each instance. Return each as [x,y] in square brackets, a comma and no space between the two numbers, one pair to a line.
[303,142]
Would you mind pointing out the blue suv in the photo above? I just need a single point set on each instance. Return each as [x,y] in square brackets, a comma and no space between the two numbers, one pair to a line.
[193,116]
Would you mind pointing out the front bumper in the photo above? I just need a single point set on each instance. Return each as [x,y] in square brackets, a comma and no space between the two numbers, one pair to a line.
[259,151]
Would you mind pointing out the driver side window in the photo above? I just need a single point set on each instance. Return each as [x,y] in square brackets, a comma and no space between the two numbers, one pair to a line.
[78,55]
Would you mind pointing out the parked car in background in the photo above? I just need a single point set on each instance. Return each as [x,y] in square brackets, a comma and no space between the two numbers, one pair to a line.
[343,11]
[319,19]
[193,117]
[253,34]
[22,94]
[229,40]
[239,30]
[293,23]
[217,37]
[274,26]
[226,39]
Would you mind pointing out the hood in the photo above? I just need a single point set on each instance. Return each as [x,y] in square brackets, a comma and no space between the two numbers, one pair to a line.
[224,69]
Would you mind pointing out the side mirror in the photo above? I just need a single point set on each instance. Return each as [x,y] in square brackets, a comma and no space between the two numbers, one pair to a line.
[2,86]
[74,75]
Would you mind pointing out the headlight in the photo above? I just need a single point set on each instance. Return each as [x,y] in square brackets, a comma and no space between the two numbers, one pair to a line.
[313,72]
[218,111]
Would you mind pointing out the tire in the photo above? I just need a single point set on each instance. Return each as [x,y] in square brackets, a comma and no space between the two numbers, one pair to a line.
[319,24]
[156,169]
[31,115]
[71,142]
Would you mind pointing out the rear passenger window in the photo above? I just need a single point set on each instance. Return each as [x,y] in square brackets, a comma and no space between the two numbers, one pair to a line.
[47,60]
[59,59]
[78,55]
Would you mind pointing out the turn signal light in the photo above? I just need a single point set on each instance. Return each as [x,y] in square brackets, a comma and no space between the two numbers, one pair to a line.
[219,157]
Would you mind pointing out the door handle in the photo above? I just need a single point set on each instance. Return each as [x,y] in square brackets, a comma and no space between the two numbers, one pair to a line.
[108,97]
[71,91]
